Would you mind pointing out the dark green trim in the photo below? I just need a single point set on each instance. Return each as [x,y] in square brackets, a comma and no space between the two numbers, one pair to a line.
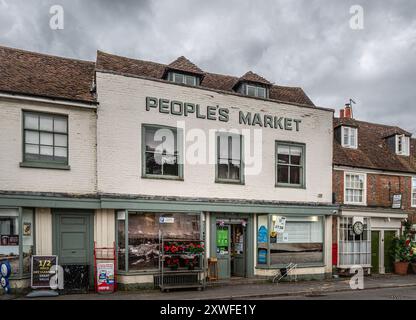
[299,266]
[171,205]
[44,165]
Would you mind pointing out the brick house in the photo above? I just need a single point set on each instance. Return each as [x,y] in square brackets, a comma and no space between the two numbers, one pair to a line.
[374,181]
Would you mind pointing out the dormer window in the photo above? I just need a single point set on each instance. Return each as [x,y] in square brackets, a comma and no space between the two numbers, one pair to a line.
[349,137]
[255,91]
[402,145]
[183,78]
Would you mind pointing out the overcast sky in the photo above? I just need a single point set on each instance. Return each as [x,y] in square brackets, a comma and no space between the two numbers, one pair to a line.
[298,43]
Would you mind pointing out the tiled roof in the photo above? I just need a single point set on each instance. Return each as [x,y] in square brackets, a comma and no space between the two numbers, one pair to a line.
[118,64]
[253,77]
[372,151]
[29,73]
[183,64]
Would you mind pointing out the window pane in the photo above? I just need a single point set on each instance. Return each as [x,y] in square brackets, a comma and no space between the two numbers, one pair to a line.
[31,149]
[160,140]
[60,152]
[178,78]
[121,244]
[283,154]
[223,147]
[143,240]
[223,169]
[190,80]
[234,170]
[9,237]
[153,166]
[261,92]
[235,147]
[251,91]
[31,121]
[295,155]
[47,151]
[282,174]
[60,124]
[170,166]
[301,241]
[32,137]
[295,173]
[46,138]
[46,123]
[60,140]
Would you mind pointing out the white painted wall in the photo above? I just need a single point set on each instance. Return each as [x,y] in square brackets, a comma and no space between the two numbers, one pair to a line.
[81,178]
[104,228]
[122,111]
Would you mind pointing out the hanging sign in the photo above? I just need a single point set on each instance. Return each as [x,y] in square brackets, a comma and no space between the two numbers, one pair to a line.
[105,277]
[43,268]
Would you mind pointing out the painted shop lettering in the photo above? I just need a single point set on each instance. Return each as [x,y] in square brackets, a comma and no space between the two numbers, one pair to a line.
[179,108]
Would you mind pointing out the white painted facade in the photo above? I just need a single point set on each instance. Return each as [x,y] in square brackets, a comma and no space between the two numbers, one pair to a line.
[122,112]
[80,179]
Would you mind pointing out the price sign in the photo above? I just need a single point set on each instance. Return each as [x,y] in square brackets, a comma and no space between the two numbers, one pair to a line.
[43,268]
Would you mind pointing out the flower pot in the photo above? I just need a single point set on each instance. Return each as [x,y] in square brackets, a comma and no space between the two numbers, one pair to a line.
[413,264]
[401,268]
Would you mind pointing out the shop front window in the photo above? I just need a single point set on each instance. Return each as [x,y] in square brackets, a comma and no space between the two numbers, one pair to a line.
[17,239]
[290,239]
[143,236]
[9,232]
[354,247]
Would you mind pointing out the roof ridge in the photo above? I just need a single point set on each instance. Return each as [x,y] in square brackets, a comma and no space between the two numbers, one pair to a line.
[46,54]
[373,123]
[124,57]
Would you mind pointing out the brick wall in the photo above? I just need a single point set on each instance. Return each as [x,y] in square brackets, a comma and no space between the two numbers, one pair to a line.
[380,190]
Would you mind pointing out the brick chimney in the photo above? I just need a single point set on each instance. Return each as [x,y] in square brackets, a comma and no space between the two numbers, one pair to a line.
[346,112]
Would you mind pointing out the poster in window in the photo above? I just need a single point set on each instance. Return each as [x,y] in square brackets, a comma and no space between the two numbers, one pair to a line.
[27,229]
[397,201]
[280,224]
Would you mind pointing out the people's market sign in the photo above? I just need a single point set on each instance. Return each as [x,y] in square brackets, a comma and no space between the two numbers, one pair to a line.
[217,113]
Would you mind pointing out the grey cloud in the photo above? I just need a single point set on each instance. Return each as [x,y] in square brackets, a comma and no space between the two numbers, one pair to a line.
[301,43]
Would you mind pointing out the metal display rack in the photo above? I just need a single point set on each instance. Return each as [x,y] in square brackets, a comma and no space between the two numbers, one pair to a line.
[105,254]
[178,274]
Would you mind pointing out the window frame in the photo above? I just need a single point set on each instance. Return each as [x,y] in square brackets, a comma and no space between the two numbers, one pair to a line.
[256,91]
[349,129]
[406,140]
[179,145]
[21,274]
[413,193]
[364,175]
[185,76]
[268,264]
[126,240]
[217,154]
[289,144]
[47,164]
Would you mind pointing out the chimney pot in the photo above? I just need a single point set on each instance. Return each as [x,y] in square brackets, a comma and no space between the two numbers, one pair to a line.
[342,113]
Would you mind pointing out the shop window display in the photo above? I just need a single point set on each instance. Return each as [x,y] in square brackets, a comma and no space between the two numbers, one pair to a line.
[143,236]
[9,233]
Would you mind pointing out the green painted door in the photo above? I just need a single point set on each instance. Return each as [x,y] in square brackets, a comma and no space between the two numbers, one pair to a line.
[73,239]
[238,245]
[375,249]
[388,242]
[223,251]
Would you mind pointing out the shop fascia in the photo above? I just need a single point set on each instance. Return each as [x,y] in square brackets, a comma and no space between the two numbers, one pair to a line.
[217,113]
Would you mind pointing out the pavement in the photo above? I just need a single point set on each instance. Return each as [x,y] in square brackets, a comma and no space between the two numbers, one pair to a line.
[251,290]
